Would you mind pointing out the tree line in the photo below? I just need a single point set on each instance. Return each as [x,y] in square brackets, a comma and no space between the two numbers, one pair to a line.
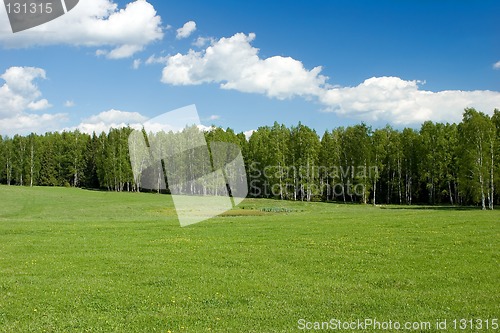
[457,164]
[67,159]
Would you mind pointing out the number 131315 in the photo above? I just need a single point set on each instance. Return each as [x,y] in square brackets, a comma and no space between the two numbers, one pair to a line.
[29,8]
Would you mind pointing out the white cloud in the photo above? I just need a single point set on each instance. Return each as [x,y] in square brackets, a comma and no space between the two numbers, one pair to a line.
[25,123]
[157,60]
[19,92]
[496,65]
[249,133]
[106,120]
[124,51]
[205,128]
[114,116]
[94,23]
[235,64]
[214,117]
[202,41]
[69,104]
[100,52]
[391,99]
[19,80]
[136,64]
[186,30]
[39,105]
[19,95]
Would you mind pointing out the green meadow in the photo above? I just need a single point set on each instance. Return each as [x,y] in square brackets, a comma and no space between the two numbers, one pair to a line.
[74,260]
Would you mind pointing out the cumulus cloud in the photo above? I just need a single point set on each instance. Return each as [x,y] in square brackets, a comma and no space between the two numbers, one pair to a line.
[25,123]
[19,92]
[496,65]
[186,30]
[19,85]
[19,96]
[214,117]
[94,23]
[398,101]
[39,105]
[106,120]
[235,64]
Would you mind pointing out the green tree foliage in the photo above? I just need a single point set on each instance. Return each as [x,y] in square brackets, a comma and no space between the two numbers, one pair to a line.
[2,159]
[438,164]
[411,147]
[380,142]
[358,156]
[328,156]
[304,148]
[496,179]
[478,137]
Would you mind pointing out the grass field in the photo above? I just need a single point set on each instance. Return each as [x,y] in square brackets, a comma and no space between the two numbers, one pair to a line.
[73,260]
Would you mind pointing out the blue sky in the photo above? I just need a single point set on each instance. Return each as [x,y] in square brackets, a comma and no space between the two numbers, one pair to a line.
[247,64]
